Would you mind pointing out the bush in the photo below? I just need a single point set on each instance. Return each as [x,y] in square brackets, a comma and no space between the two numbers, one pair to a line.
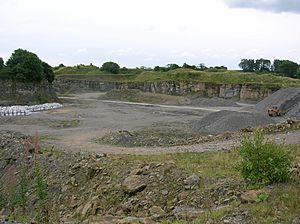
[111,67]
[25,66]
[263,162]
[48,72]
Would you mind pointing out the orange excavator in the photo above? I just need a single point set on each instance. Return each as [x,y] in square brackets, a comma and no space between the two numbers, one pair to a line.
[275,111]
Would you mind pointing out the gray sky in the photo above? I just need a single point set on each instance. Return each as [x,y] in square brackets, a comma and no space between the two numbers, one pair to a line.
[151,32]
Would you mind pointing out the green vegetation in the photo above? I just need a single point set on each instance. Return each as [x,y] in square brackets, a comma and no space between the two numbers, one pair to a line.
[48,72]
[279,205]
[111,67]
[207,165]
[78,69]
[23,182]
[25,66]
[1,63]
[264,163]
[65,124]
[279,67]
[207,76]
[286,67]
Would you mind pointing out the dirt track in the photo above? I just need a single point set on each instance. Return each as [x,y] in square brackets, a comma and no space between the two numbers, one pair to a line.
[98,118]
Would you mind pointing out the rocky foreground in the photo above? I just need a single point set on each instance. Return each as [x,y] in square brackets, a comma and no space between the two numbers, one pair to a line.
[97,188]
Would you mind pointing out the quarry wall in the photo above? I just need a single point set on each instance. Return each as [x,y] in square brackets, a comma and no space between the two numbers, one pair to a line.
[20,93]
[239,91]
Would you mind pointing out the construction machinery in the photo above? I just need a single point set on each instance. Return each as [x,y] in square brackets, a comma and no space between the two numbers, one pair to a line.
[275,111]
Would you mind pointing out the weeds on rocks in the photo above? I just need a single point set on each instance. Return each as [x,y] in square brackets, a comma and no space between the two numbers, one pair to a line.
[263,162]
[22,180]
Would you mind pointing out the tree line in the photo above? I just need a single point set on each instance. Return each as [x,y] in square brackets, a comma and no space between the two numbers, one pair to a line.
[114,68]
[25,66]
[280,67]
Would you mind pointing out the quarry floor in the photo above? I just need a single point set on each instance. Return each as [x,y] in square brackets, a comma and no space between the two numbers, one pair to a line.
[84,118]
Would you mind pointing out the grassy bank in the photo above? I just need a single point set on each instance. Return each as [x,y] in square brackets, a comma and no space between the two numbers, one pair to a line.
[218,77]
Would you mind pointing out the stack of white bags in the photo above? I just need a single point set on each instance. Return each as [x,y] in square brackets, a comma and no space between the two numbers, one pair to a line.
[27,110]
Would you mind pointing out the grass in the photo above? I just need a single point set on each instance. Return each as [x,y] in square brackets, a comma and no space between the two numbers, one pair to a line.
[219,77]
[208,164]
[51,150]
[65,124]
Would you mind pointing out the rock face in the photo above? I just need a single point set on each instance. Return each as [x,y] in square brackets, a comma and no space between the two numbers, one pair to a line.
[227,91]
[133,184]
[26,93]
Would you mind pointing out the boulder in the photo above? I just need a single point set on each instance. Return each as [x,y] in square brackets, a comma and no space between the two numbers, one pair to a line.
[133,184]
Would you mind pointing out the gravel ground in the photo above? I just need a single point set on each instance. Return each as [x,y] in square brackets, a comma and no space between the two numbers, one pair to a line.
[230,121]
[95,119]
[212,102]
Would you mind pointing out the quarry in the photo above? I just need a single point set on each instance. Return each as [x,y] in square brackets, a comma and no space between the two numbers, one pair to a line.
[133,156]
[149,112]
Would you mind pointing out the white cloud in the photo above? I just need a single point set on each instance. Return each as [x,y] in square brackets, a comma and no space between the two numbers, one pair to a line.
[133,31]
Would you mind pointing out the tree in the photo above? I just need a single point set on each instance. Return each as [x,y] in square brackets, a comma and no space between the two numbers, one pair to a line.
[286,67]
[161,69]
[48,72]
[124,70]
[4,73]
[262,65]
[25,66]
[194,67]
[111,67]
[298,73]
[173,66]
[247,65]
[156,69]
[1,63]
[202,66]
[222,67]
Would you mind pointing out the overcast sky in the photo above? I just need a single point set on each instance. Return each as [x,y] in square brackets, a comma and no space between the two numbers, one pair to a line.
[151,32]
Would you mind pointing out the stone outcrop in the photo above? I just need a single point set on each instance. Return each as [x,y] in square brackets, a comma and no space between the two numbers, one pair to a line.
[228,91]
[19,93]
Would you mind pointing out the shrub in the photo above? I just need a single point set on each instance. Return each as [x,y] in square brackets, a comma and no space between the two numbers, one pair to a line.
[25,66]
[111,67]
[263,162]
[48,72]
